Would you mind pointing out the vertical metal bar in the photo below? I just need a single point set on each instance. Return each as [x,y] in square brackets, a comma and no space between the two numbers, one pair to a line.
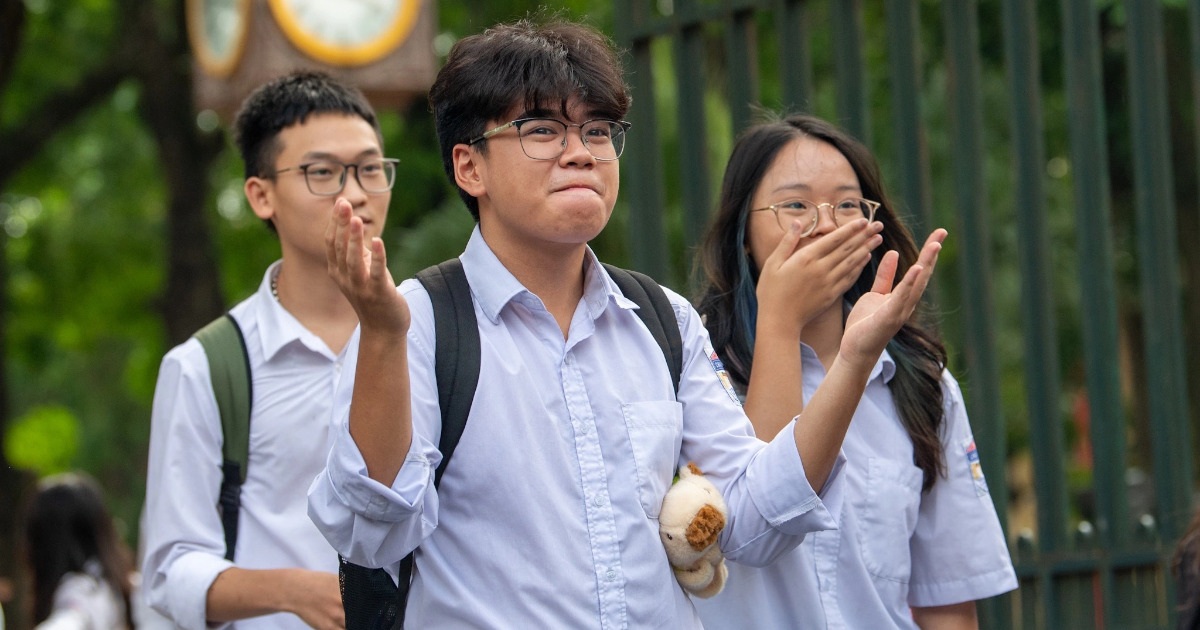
[1037,302]
[741,49]
[643,170]
[962,62]
[1158,267]
[795,64]
[846,16]
[908,133]
[692,124]
[1089,157]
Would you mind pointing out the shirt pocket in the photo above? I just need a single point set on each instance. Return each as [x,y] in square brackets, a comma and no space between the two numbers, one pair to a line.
[888,517]
[655,436]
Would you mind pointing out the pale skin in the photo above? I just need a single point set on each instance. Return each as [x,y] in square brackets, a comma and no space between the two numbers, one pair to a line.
[800,290]
[308,292]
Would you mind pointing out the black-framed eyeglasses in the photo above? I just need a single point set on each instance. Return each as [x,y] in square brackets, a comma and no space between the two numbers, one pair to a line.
[328,177]
[809,213]
[546,138]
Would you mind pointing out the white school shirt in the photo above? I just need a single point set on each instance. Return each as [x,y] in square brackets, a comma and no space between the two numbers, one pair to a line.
[896,547]
[84,601]
[293,376]
[546,516]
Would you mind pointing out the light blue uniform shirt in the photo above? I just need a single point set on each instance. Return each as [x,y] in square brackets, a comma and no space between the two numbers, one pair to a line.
[896,547]
[547,514]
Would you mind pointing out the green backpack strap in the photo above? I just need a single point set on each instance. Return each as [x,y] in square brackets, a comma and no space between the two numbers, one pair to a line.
[229,369]
[655,311]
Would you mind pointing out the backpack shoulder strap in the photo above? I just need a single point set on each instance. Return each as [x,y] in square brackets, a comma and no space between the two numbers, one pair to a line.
[655,311]
[229,370]
[456,354]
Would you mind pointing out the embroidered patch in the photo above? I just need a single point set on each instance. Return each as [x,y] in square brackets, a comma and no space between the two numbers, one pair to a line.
[981,488]
[719,368]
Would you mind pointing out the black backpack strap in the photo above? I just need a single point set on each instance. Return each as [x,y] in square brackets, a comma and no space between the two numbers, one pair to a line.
[229,370]
[370,599]
[456,355]
[655,311]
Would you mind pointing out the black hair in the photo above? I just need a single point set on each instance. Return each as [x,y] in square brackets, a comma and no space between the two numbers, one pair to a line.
[67,527]
[286,101]
[726,297]
[534,66]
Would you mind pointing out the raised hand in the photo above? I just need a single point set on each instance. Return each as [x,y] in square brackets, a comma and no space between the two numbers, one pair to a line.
[360,271]
[798,283]
[879,314]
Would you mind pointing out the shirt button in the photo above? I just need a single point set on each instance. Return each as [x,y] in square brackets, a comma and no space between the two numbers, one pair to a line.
[598,501]
[610,575]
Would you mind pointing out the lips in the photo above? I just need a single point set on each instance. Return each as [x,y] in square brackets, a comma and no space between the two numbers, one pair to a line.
[578,186]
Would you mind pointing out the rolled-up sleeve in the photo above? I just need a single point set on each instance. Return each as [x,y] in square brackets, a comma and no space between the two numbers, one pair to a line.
[367,522]
[771,504]
[184,539]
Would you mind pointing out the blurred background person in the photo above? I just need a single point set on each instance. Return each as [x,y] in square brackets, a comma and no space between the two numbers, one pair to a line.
[79,568]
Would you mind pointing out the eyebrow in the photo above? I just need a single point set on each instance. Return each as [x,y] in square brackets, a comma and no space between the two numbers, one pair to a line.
[802,187]
[323,155]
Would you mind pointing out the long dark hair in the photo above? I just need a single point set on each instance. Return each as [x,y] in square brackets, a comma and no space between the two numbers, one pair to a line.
[728,277]
[67,526]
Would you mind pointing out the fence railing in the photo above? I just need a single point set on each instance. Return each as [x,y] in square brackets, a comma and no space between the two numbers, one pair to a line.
[1041,135]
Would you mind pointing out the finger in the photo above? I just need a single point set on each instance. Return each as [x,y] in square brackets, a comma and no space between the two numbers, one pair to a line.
[333,234]
[787,244]
[378,259]
[886,272]
[342,213]
[846,239]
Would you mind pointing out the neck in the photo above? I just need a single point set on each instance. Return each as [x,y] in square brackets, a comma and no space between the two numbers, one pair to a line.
[314,299]
[553,273]
[824,333]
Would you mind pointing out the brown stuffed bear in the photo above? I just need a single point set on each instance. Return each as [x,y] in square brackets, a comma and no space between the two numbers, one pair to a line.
[692,516]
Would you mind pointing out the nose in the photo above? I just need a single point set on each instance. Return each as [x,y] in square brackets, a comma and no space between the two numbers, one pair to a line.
[352,189]
[825,220]
[575,150]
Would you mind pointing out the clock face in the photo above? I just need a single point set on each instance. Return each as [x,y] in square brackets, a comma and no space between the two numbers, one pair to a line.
[217,31]
[346,32]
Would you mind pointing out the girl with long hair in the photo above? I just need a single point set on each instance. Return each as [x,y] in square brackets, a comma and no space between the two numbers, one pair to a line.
[80,569]
[918,540]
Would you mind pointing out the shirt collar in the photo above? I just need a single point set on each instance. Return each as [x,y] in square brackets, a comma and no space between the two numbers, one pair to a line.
[885,366]
[276,326]
[494,286]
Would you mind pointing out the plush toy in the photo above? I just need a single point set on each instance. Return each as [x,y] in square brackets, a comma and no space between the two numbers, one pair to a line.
[692,516]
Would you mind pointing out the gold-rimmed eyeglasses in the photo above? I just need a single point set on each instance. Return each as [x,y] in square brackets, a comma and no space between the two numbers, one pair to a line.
[328,177]
[546,138]
[808,213]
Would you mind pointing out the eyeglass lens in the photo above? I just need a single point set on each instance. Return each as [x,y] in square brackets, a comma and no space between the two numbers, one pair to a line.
[329,178]
[808,213]
[546,138]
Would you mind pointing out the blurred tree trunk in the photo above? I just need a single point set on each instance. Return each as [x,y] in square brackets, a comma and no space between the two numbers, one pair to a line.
[153,51]
[192,296]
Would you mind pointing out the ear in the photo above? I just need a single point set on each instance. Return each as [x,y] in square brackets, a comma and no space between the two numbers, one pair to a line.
[469,170]
[259,194]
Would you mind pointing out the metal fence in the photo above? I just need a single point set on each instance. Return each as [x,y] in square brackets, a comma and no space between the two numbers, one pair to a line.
[1021,123]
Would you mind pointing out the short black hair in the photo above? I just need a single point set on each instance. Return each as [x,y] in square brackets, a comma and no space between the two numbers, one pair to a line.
[537,66]
[289,100]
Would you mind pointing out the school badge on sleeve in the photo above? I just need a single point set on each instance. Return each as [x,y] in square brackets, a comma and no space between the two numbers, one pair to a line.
[972,452]
[719,368]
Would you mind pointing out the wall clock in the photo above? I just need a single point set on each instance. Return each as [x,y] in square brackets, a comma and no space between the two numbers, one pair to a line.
[217,32]
[346,32]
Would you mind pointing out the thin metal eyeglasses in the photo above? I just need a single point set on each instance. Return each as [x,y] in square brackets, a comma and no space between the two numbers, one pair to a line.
[809,213]
[327,178]
[546,138]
